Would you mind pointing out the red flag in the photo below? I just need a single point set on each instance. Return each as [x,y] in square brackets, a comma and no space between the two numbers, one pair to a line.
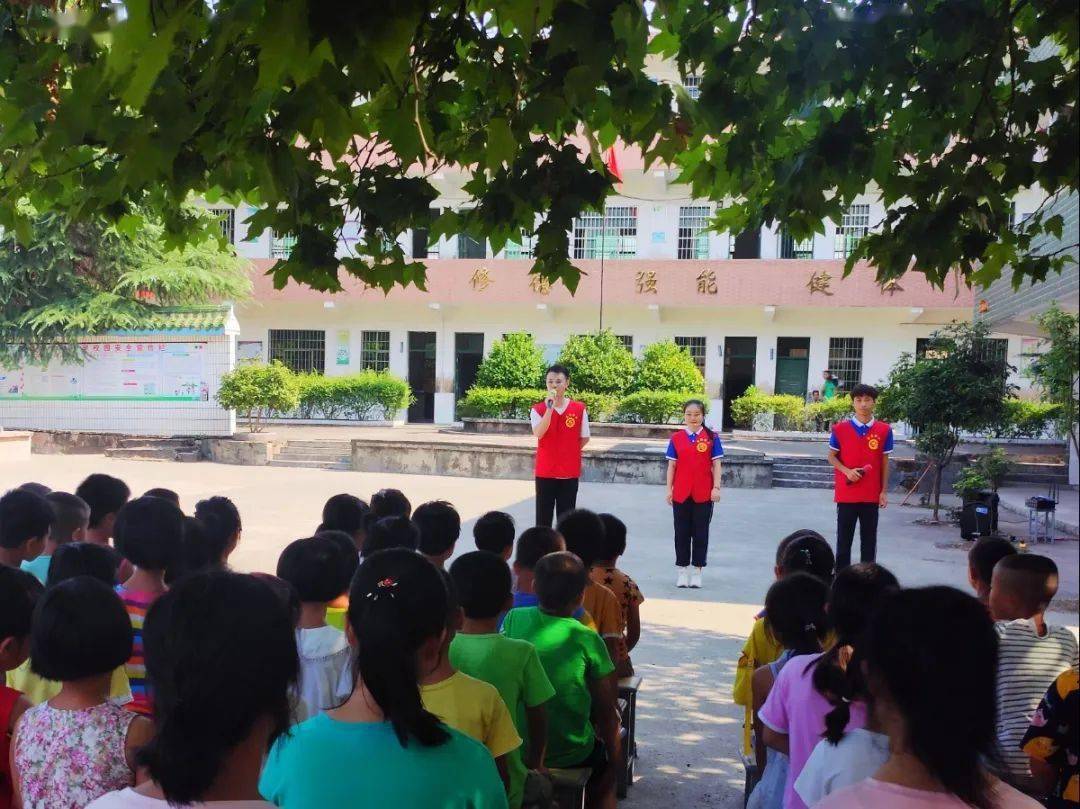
[613,165]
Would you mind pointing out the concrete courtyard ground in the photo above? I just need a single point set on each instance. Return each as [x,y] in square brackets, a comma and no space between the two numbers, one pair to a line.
[689,729]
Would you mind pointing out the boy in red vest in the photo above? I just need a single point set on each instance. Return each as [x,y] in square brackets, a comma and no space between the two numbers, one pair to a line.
[859,450]
[561,426]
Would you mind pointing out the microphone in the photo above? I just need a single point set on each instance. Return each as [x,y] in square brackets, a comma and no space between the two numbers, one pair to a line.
[865,469]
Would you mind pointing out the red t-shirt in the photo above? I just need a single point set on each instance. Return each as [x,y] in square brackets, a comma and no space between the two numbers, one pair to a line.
[558,453]
[693,465]
[860,446]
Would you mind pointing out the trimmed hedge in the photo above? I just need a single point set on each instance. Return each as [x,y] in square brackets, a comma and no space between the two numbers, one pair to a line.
[598,362]
[499,403]
[514,362]
[601,406]
[367,395]
[1027,419]
[257,391]
[651,407]
[665,366]
[789,410]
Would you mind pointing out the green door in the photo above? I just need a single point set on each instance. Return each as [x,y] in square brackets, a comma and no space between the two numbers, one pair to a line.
[792,365]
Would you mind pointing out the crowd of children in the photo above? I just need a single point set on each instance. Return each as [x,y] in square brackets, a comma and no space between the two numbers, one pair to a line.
[142,673]
[861,693]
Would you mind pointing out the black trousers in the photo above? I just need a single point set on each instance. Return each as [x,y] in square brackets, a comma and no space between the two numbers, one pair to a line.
[691,532]
[554,497]
[847,514]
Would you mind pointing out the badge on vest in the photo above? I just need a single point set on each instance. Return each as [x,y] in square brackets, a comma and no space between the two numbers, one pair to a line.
[702,446]
[571,421]
[873,442]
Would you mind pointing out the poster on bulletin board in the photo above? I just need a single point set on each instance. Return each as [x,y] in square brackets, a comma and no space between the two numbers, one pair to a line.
[342,353]
[156,372]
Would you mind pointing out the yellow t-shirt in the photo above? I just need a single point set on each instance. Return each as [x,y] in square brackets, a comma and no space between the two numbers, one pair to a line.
[476,709]
[760,649]
[603,606]
[38,689]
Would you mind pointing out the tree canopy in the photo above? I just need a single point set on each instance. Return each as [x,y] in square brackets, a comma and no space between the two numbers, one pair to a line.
[323,110]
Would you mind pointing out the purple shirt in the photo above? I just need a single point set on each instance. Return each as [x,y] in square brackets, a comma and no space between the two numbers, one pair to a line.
[796,708]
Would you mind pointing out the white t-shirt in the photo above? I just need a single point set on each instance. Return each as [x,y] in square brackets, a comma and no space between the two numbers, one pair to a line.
[534,418]
[130,799]
[325,670]
[858,755]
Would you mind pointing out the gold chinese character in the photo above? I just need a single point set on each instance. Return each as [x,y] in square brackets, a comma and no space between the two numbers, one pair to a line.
[819,282]
[481,279]
[645,281]
[706,282]
[892,286]
[539,283]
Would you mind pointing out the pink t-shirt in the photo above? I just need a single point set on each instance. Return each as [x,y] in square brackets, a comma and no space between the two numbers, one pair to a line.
[796,708]
[879,795]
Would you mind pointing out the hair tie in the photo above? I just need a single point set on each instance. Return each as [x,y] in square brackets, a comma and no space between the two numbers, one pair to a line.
[384,587]
[809,556]
[810,627]
[846,700]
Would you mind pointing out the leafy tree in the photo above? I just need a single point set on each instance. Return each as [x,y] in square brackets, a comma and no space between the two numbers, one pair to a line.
[598,363]
[90,277]
[515,361]
[258,390]
[1057,370]
[665,366]
[957,386]
[320,111]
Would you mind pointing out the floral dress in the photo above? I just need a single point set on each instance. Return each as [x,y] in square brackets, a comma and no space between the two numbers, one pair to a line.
[65,759]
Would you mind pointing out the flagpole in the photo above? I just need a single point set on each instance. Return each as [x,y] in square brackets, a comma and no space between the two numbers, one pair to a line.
[602,283]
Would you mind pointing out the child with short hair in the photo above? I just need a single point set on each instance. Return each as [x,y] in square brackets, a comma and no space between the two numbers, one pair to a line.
[337,610]
[71,516]
[389,503]
[482,581]
[940,736]
[164,494]
[381,748]
[78,745]
[315,567]
[982,558]
[221,652]
[221,521]
[148,532]
[105,495]
[1032,652]
[495,532]
[795,616]
[581,672]
[348,513]
[25,519]
[440,527]
[391,532]
[19,593]
[794,715]
[583,531]
[625,589]
[533,545]
[472,706]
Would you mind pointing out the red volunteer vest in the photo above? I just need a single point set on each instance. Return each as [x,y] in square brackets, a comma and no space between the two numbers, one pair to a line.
[558,453]
[693,467]
[859,451]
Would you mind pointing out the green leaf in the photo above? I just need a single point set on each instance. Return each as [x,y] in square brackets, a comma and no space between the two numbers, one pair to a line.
[501,144]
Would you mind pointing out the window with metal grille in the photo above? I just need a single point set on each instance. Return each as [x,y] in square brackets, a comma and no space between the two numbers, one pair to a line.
[226,221]
[302,350]
[693,240]
[853,226]
[791,248]
[468,247]
[995,349]
[696,347]
[522,248]
[627,340]
[692,83]
[845,359]
[281,244]
[375,350]
[613,235]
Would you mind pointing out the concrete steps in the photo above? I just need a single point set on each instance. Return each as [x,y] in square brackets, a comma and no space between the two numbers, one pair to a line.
[796,472]
[314,454]
[156,449]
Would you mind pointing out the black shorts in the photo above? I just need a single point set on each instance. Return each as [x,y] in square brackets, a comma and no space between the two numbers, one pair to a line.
[597,760]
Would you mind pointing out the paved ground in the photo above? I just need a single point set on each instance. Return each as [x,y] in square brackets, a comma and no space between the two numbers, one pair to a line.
[689,728]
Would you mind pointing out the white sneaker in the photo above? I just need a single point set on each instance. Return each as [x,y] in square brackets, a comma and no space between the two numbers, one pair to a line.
[684,577]
[695,577]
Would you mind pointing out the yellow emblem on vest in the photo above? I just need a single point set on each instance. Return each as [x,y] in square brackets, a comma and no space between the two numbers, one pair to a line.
[702,446]
[571,421]
[873,442]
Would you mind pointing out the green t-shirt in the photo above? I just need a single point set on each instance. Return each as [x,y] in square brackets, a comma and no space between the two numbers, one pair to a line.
[514,668]
[324,762]
[573,656]
[828,390]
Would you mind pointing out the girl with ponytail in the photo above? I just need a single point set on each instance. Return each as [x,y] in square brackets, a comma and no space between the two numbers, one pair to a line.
[814,697]
[221,654]
[381,748]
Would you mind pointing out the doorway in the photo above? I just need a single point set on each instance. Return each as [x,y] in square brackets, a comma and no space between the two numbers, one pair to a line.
[422,376]
[468,354]
[792,365]
[740,366]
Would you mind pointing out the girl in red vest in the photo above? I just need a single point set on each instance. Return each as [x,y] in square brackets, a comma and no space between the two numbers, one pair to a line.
[693,485]
[561,427]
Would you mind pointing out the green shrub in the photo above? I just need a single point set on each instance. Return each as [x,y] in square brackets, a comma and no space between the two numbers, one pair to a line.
[819,415]
[598,363]
[1028,419]
[752,402]
[515,361]
[665,366]
[651,407]
[257,390]
[362,396]
[994,466]
[499,403]
[969,480]
[601,406]
[790,410]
